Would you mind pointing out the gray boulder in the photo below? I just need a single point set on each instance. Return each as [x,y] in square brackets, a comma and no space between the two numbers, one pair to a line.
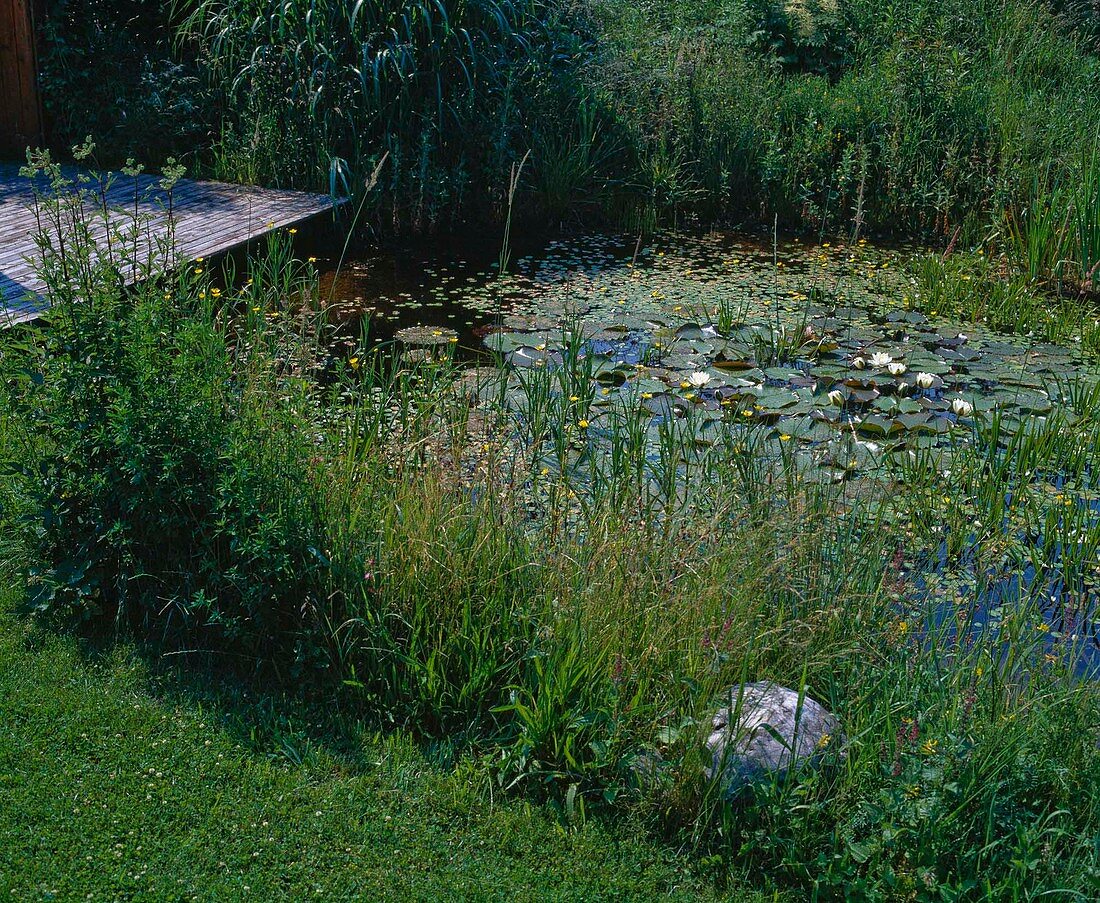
[763,731]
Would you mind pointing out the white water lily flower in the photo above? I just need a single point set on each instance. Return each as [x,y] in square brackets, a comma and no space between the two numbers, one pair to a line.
[961,407]
[925,380]
[880,359]
[836,398]
[698,379]
[858,363]
[896,368]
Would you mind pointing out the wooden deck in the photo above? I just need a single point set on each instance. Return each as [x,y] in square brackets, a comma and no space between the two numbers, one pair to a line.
[209,218]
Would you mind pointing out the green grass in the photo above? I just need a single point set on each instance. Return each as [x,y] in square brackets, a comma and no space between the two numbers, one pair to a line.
[120,782]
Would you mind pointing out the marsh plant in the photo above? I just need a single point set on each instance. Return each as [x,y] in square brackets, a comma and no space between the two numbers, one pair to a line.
[312,83]
[837,123]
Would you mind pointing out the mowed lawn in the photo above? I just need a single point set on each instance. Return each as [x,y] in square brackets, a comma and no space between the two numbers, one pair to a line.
[119,784]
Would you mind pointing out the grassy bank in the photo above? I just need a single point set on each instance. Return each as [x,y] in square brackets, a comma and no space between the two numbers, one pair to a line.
[120,781]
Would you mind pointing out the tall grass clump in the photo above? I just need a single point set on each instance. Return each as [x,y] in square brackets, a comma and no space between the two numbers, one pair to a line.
[1053,237]
[313,88]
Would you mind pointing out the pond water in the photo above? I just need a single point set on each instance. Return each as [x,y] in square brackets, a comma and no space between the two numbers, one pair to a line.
[762,327]
[817,350]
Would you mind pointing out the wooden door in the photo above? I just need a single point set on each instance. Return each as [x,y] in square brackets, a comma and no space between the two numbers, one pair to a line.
[20,112]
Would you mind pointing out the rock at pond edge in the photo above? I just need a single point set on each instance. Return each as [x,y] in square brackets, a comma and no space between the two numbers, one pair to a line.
[763,730]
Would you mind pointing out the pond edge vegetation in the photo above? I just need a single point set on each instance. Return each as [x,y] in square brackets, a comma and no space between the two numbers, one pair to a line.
[187,465]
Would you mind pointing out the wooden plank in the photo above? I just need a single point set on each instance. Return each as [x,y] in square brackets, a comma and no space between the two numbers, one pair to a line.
[209,217]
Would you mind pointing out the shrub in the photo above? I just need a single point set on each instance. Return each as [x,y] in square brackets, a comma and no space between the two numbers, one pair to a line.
[108,69]
[172,489]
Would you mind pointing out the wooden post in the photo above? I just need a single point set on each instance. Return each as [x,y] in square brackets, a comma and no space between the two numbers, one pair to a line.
[20,110]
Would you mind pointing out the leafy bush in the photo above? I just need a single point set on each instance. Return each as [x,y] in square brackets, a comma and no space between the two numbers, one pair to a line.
[803,35]
[172,493]
[108,69]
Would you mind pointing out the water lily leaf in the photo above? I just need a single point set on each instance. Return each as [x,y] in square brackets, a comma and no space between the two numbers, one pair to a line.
[906,316]
[916,422]
[611,377]
[806,429]
[734,365]
[863,396]
[695,332]
[782,374]
[875,425]
[665,404]
[776,399]
[957,354]
[528,356]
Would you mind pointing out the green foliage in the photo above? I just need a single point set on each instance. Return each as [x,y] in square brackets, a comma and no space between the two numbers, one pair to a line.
[107,69]
[1036,236]
[1054,237]
[198,467]
[845,115]
[808,36]
[1085,232]
[940,113]
[307,84]
[172,492]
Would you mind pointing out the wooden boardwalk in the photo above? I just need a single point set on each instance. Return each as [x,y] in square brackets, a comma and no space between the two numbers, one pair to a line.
[209,218]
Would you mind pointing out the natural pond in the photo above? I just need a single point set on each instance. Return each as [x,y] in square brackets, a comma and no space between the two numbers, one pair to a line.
[820,358]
